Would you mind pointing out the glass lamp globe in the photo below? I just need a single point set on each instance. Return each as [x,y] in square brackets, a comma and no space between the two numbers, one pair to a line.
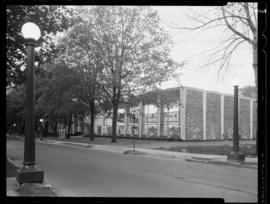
[75,99]
[236,81]
[31,31]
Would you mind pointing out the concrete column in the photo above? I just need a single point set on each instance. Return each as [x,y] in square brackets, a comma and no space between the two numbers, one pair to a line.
[179,115]
[104,126]
[73,125]
[147,121]
[183,94]
[222,115]
[159,116]
[251,118]
[204,115]
[125,122]
[141,115]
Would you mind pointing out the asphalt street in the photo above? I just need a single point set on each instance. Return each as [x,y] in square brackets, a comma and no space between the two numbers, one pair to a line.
[79,171]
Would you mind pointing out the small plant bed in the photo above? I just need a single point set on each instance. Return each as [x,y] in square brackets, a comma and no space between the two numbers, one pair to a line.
[248,149]
[133,152]
[11,169]
[72,144]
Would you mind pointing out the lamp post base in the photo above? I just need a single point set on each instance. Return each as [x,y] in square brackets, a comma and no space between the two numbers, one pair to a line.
[31,175]
[236,157]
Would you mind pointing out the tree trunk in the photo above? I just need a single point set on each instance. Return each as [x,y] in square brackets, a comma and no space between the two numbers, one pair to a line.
[55,129]
[69,126]
[92,119]
[255,65]
[255,69]
[114,117]
[114,121]
[21,127]
[46,129]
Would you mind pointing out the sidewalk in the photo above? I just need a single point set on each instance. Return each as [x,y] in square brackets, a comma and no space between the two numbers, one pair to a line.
[190,157]
[27,189]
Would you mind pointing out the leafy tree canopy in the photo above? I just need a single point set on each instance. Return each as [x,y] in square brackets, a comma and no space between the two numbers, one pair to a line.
[248,91]
[14,103]
[50,19]
[56,100]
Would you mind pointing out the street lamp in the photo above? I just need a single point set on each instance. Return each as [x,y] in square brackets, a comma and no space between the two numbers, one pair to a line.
[29,173]
[41,120]
[14,128]
[235,155]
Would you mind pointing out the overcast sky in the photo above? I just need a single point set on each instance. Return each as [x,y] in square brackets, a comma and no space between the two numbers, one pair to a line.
[192,49]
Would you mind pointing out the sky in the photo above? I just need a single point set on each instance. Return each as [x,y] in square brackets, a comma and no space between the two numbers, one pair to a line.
[192,48]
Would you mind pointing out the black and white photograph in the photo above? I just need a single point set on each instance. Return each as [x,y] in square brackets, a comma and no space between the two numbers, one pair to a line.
[133,101]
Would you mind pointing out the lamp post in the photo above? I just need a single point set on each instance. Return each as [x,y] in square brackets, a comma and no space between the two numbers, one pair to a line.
[235,155]
[29,173]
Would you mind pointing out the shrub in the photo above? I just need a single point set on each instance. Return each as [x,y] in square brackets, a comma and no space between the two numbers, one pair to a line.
[175,138]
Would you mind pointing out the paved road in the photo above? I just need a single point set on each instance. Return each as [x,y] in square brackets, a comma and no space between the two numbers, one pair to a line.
[77,171]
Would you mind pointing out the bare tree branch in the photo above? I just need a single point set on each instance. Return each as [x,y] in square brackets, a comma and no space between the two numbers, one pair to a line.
[227,58]
[229,45]
[204,24]
[233,30]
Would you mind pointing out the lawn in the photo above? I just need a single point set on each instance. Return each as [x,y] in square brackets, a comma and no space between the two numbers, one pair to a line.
[201,147]
[247,149]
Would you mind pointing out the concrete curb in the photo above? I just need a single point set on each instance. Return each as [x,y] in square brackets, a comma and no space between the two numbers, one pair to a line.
[133,152]
[221,163]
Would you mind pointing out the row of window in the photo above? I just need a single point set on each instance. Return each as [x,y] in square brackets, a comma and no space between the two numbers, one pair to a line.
[167,116]
[152,118]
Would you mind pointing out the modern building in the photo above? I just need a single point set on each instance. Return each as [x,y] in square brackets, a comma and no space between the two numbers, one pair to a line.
[182,112]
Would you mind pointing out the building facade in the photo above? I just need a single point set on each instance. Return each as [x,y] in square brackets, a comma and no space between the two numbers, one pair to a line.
[196,114]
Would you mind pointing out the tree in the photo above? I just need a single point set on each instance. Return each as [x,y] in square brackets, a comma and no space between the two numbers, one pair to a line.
[248,91]
[15,107]
[50,19]
[79,51]
[134,48]
[241,22]
[55,103]
[238,21]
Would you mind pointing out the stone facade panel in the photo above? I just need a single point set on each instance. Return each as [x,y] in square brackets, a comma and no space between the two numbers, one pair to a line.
[213,116]
[255,117]
[194,115]
[244,118]
[228,117]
